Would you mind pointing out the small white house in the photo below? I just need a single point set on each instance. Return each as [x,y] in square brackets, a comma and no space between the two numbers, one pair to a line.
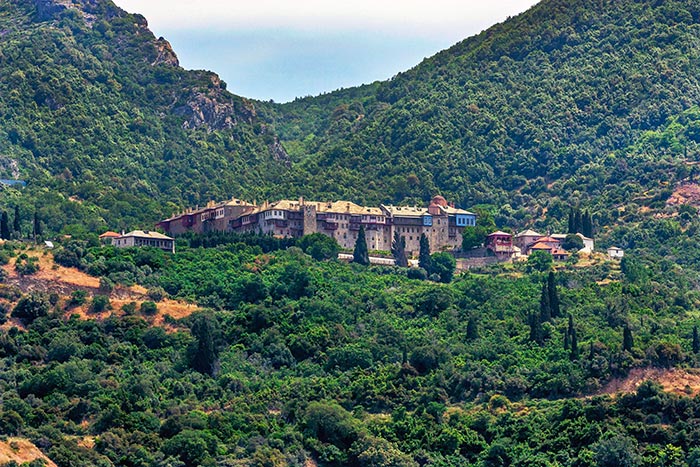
[615,252]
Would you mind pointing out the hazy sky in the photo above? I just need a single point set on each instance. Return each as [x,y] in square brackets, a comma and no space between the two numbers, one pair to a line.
[282,49]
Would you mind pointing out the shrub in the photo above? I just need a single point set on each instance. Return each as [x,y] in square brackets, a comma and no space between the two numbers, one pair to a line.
[78,298]
[443,264]
[417,273]
[540,261]
[319,246]
[31,307]
[106,285]
[149,308]
[100,303]
[156,293]
[129,308]
[26,266]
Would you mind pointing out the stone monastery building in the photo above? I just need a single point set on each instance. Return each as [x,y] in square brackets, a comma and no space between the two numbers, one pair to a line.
[441,222]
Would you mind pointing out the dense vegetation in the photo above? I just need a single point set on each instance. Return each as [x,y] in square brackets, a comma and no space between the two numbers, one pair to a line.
[292,358]
[568,104]
[573,107]
[105,127]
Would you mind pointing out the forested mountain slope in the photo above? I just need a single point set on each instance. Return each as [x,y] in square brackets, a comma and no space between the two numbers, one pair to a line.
[96,109]
[570,103]
[523,114]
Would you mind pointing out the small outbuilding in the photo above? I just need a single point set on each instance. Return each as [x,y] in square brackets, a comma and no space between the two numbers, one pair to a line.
[615,253]
[141,238]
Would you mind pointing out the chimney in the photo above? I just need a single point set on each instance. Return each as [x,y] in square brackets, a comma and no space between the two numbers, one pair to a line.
[301,201]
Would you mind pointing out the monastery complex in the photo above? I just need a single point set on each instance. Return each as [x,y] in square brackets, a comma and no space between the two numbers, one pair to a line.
[440,221]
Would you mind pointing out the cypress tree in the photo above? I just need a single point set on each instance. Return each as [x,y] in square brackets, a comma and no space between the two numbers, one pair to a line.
[545,306]
[17,222]
[204,354]
[361,254]
[4,226]
[578,223]
[37,225]
[572,222]
[553,295]
[424,259]
[571,332]
[472,329]
[696,340]
[398,250]
[535,328]
[627,339]
[587,225]
[567,340]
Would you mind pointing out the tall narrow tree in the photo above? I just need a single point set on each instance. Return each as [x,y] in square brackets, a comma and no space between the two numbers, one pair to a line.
[627,339]
[424,259]
[535,328]
[17,222]
[696,340]
[398,250]
[587,227]
[545,306]
[572,222]
[573,338]
[578,223]
[472,328]
[361,254]
[553,295]
[4,226]
[204,354]
[37,225]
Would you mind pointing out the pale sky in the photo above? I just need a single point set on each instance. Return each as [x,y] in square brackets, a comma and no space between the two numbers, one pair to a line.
[282,49]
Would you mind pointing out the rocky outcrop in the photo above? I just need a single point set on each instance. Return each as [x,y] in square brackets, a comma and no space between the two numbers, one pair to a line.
[214,108]
[278,153]
[166,54]
[206,110]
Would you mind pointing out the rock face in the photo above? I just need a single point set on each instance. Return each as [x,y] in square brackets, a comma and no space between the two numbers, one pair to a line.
[214,108]
[166,55]
[279,153]
[207,106]
[207,110]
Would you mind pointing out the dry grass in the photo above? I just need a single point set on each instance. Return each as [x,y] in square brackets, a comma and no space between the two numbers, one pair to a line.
[53,278]
[21,450]
[675,380]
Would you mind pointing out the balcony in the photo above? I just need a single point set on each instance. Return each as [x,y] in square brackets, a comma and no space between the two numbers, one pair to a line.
[328,225]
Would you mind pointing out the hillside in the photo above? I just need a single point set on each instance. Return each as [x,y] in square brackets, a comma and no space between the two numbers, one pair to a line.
[567,103]
[107,129]
[292,361]
[551,107]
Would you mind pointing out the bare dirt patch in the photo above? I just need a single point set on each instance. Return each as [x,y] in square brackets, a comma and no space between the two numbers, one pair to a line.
[675,380]
[21,450]
[53,278]
[686,193]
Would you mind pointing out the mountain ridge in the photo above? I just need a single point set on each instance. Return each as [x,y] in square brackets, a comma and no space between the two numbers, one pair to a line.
[514,117]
